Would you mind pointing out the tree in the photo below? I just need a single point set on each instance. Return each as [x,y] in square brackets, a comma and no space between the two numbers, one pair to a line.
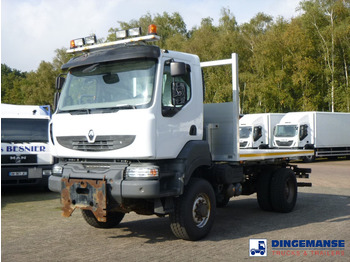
[168,26]
[324,16]
[60,59]
[39,86]
[10,79]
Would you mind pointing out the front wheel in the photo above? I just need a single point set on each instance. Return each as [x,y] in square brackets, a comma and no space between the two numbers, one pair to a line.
[194,212]
[113,219]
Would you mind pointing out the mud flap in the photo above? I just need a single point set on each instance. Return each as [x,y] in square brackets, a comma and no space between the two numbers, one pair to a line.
[84,194]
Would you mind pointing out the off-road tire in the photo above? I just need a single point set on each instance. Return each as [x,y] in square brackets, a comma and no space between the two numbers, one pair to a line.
[113,219]
[194,212]
[283,190]
[263,190]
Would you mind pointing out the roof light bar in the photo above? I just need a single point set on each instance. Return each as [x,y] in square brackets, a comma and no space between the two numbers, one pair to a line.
[90,43]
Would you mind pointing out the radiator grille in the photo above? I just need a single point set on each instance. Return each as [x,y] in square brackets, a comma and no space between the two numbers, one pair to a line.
[102,143]
[284,143]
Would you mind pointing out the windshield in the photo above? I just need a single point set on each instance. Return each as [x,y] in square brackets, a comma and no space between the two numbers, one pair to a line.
[24,130]
[244,132]
[114,85]
[286,131]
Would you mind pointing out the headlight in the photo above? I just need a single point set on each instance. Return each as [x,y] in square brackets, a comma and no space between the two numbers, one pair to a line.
[57,170]
[142,172]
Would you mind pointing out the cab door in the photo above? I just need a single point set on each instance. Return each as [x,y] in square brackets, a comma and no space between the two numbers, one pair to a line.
[180,118]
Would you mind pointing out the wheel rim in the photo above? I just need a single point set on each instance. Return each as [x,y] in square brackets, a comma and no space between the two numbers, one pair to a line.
[201,210]
[289,191]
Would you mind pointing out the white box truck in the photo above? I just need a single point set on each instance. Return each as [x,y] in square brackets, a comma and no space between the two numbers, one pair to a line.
[141,139]
[25,152]
[326,133]
[256,130]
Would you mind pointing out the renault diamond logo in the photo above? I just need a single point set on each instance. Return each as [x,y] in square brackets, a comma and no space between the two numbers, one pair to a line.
[91,136]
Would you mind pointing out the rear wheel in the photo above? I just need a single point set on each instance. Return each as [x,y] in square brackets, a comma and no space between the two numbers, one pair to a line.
[283,190]
[263,190]
[194,212]
[113,219]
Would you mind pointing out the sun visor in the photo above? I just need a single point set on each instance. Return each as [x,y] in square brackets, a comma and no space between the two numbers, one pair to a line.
[119,53]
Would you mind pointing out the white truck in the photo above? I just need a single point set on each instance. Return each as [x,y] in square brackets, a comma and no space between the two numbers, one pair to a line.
[132,134]
[256,130]
[326,133]
[25,151]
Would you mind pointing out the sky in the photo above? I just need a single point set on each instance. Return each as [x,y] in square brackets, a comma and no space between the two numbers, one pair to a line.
[31,30]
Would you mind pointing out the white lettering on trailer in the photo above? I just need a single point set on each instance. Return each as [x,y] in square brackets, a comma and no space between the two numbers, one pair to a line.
[16,149]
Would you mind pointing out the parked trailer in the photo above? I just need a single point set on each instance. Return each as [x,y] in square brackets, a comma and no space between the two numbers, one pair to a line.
[140,139]
[256,130]
[25,152]
[325,132]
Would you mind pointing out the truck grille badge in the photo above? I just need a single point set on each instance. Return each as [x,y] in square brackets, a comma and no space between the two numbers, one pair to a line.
[91,136]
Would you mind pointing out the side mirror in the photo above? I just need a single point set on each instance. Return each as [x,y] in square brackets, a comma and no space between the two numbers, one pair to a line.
[60,82]
[177,69]
[178,93]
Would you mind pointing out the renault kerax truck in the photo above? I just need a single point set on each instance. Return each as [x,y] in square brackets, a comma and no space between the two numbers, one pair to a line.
[132,134]
[326,133]
[26,159]
[256,130]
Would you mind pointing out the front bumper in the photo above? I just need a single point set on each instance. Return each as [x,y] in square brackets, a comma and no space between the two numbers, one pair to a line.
[113,174]
[142,189]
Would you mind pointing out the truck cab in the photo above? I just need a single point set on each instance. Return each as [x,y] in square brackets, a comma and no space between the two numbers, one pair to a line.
[291,135]
[130,107]
[26,159]
[295,130]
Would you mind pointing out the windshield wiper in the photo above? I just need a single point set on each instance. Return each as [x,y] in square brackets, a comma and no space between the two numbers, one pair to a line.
[87,111]
[82,111]
[126,107]
[112,109]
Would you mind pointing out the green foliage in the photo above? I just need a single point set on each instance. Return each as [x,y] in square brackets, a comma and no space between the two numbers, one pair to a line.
[10,84]
[33,88]
[168,26]
[296,65]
